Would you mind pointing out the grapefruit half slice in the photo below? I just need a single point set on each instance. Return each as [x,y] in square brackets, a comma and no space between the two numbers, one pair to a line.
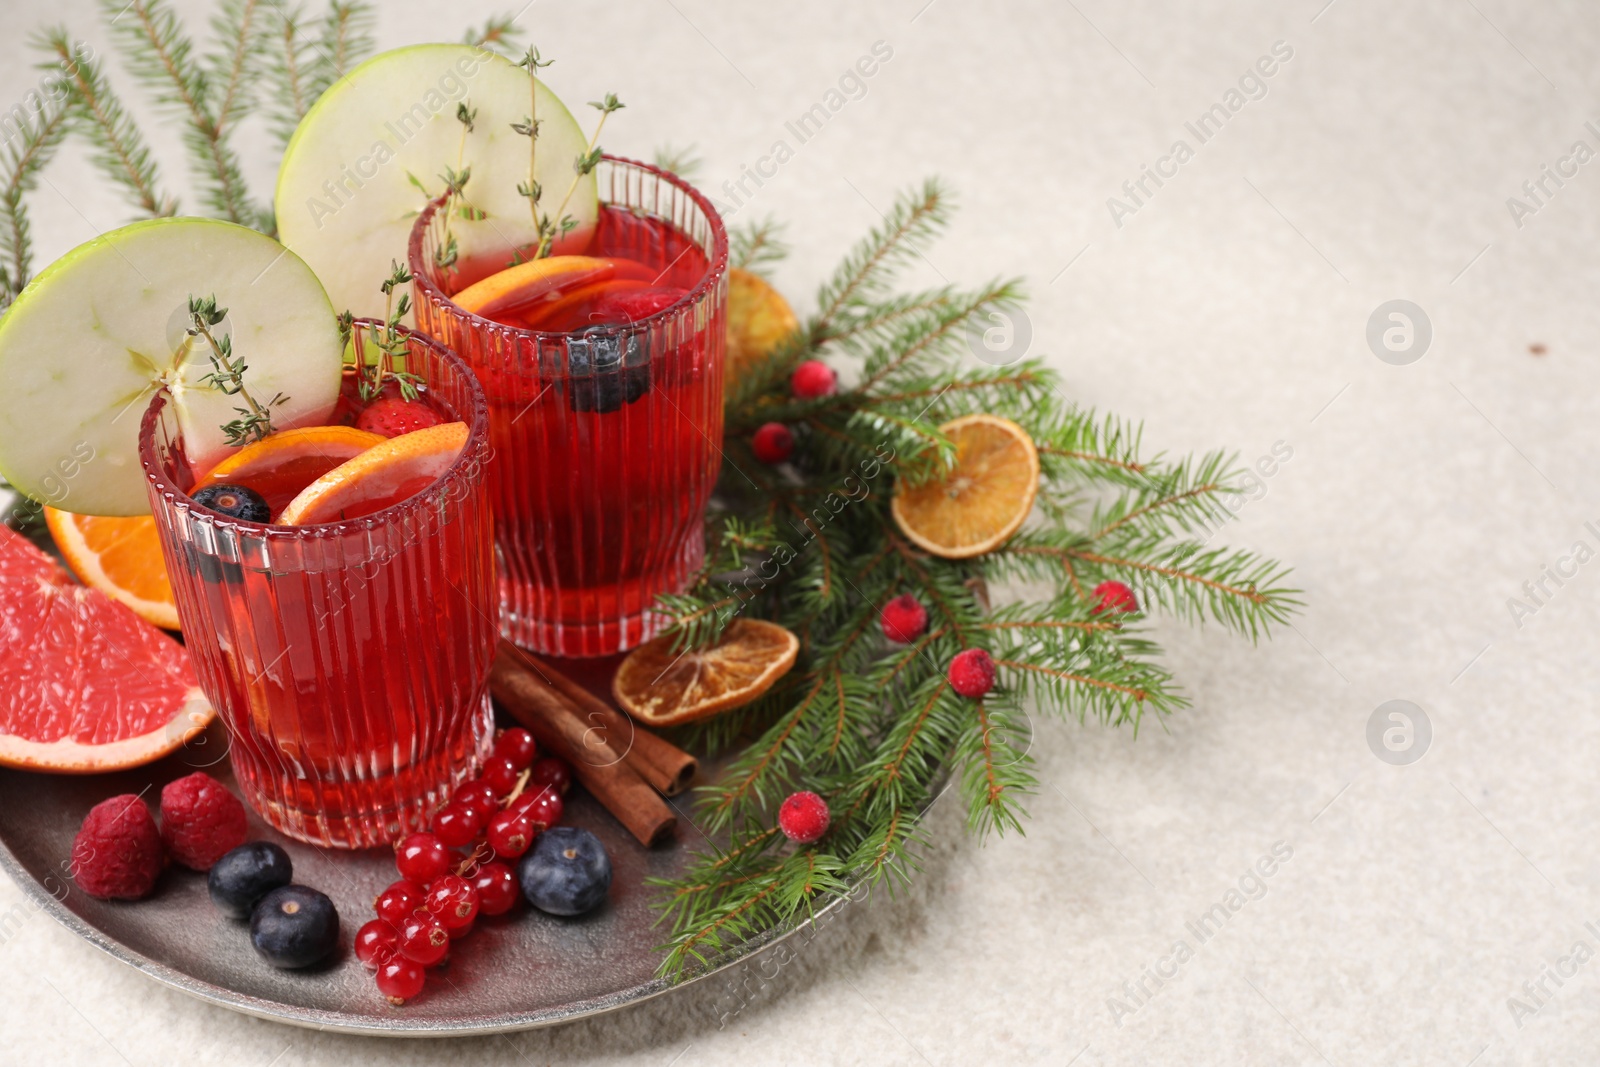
[85,684]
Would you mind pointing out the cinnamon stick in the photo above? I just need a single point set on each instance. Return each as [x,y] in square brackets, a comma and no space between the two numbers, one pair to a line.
[554,723]
[660,762]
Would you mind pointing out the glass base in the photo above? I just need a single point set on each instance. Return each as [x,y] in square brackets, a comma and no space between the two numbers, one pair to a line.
[523,626]
[379,824]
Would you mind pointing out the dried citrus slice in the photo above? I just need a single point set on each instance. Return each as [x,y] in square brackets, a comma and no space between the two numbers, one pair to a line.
[384,474]
[758,319]
[121,557]
[281,465]
[977,504]
[660,687]
[85,684]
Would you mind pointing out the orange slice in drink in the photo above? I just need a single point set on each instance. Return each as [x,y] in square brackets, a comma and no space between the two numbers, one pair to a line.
[522,289]
[85,685]
[282,464]
[660,687]
[121,557]
[758,319]
[383,475]
[977,504]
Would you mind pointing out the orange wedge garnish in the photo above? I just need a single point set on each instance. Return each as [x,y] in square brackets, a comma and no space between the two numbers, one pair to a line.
[977,504]
[281,465]
[660,687]
[383,475]
[758,319]
[541,280]
[121,557]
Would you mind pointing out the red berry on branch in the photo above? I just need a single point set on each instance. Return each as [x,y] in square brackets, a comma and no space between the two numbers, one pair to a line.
[497,889]
[904,619]
[972,673]
[477,795]
[400,979]
[398,901]
[455,902]
[376,941]
[813,379]
[1114,597]
[458,825]
[423,938]
[500,774]
[510,833]
[544,808]
[803,817]
[772,443]
[421,858]
[550,771]
[516,745]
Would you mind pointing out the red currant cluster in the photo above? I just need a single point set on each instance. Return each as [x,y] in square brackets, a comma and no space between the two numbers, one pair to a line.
[442,890]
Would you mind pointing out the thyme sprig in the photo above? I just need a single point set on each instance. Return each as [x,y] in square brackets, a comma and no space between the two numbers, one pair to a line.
[227,374]
[387,340]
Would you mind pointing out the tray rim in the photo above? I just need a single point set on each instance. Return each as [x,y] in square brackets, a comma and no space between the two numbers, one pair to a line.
[372,1025]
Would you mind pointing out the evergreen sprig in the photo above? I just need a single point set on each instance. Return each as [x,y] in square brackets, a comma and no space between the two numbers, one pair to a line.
[26,153]
[876,728]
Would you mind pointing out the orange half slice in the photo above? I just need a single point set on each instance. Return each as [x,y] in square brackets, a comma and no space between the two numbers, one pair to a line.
[383,475]
[979,502]
[660,687]
[281,465]
[525,287]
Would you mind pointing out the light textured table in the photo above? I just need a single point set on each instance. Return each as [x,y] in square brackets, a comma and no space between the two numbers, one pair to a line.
[1229,309]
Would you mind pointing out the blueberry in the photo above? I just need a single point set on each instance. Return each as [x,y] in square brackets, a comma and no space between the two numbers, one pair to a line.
[234,501]
[567,873]
[294,926]
[599,377]
[246,874]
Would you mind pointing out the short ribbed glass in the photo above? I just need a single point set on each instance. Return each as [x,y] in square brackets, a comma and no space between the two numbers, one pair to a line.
[349,660]
[606,442]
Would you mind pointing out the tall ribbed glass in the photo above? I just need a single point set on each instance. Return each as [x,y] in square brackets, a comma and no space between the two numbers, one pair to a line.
[349,660]
[606,441]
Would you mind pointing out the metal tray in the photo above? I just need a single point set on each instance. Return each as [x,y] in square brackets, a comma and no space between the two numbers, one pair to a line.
[516,972]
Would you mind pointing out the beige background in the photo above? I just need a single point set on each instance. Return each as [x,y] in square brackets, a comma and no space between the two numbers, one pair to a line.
[1230,310]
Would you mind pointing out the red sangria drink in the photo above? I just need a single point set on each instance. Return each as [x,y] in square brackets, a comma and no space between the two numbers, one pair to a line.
[603,372]
[336,588]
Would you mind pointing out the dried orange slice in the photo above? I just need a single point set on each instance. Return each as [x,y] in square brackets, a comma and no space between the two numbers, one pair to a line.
[384,474]
[980,501]
[660,687]
[279,466]
[121,557]
[758,319]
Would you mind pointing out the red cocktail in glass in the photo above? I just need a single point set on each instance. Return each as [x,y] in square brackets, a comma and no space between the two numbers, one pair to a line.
[605,410]
[349,659]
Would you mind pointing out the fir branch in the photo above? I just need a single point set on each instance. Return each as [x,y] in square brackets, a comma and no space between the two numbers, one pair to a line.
[289,59]
[867,271]
[499,34]
[117,147]
[343,40]
[685,164]
[753,246]
[27,152]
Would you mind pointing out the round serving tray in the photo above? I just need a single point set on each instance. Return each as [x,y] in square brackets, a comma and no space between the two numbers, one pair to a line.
[515,972]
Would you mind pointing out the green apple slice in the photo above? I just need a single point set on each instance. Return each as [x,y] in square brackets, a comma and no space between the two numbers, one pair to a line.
[346,199]
[89,342]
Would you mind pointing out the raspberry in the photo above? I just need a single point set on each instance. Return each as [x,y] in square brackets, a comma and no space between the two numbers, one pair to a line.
[1114,597]
[803,817]
[392,416]
[904,619]
[813,379]
[972,673]
[201,820]
[117,854]
[773,443]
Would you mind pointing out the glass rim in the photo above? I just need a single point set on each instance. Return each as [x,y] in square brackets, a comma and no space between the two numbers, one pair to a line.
[473,452]
[716,265]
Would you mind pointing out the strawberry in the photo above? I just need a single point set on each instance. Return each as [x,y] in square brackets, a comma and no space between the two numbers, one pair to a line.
[392,416]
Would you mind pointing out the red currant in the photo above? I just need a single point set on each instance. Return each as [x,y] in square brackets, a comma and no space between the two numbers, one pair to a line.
[773,443]
[398,901]
[457,825]
[453,899]
[375,942]
[421,858]
[510,833]
[424,939]
[813,379]
[479,796]
[497,888]
[551,772]
[400,979]
[516,745]
[546,810]
[500,774]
